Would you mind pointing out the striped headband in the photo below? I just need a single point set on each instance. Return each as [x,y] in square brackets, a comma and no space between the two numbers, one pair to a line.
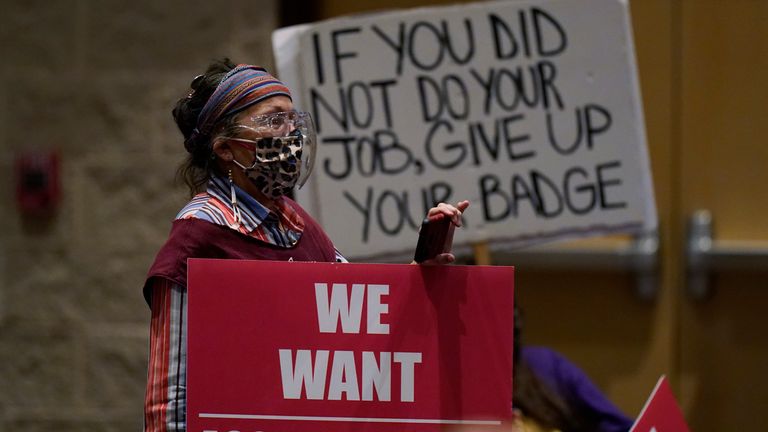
[243,86]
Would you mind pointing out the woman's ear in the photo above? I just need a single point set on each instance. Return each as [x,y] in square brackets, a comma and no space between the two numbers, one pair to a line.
[222,149]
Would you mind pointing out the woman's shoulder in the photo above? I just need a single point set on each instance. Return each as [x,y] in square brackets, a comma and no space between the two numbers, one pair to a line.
[203,206]
[575,386]
[541,355]
[552,367]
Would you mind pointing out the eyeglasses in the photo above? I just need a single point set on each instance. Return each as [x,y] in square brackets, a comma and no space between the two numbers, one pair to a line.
[276,137]
[275,123]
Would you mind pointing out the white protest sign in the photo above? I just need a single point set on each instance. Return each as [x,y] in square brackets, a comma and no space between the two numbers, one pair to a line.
[531,110]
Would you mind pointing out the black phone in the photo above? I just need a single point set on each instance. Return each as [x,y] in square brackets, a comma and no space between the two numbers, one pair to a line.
[435,237]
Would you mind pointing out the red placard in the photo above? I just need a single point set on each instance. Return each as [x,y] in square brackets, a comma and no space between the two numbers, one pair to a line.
[661,412]
[290,346]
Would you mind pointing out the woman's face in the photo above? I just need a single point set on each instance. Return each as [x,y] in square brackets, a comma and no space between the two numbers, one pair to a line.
[228,151]
[272,105]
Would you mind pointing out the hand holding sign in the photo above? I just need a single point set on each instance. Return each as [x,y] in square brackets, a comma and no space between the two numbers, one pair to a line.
[436,234]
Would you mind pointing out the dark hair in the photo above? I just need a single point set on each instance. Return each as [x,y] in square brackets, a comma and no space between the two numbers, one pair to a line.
[534,397]
[197,167]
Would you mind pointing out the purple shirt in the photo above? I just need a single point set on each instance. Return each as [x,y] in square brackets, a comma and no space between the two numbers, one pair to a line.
[573,385]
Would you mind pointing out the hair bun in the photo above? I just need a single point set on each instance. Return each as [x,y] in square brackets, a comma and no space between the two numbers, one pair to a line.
[191,144]
[196,82]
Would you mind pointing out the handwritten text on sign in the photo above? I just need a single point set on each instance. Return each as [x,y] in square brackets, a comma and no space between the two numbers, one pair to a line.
[531,110]
[312,346]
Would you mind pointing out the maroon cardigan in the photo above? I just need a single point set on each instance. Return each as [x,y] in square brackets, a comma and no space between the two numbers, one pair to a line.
[195,238]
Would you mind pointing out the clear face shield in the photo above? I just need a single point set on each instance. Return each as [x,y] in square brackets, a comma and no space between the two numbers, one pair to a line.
[285,139]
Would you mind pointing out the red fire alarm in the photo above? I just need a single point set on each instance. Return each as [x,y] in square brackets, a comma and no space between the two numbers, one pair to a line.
[38,186]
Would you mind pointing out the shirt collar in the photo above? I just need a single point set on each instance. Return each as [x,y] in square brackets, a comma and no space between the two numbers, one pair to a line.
[252,212]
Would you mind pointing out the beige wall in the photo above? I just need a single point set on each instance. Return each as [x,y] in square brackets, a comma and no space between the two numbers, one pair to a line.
[96,80]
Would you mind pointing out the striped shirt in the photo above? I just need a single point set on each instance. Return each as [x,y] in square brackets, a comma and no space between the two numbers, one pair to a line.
[215,206]
[166,394]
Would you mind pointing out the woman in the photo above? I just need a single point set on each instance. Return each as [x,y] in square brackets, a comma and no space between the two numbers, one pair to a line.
[552,394]
[248,148]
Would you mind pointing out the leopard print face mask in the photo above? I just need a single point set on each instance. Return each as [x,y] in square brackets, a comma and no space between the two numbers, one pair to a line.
[277,164]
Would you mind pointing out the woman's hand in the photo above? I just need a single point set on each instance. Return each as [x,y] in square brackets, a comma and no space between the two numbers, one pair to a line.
[450,211]
[454,213]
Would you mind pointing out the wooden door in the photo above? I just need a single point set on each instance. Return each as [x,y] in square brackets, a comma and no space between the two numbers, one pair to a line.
[596,319]
[723,160]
